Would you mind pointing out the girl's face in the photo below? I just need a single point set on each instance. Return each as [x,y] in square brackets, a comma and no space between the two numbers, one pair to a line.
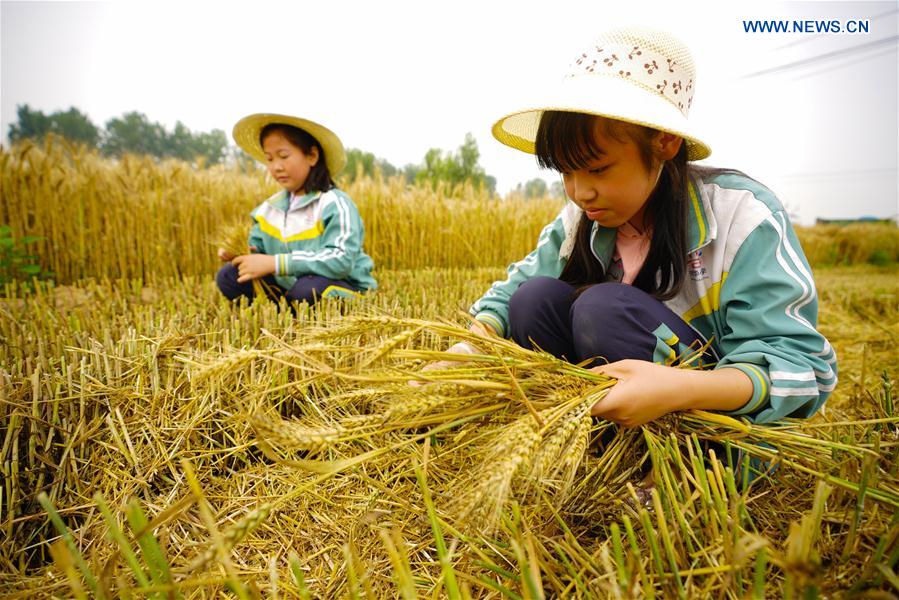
[288,164]
[613,188]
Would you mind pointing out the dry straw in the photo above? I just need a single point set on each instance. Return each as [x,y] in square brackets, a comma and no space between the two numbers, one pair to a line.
[168,429]
[116,388]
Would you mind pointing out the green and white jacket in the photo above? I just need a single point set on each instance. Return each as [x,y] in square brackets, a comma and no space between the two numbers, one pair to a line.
[321,234]
[748,290]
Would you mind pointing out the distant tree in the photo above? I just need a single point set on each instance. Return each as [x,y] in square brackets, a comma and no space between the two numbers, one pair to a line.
[212,145]
[367,164]
[76,126]
[535,188]
[455,168]
[235,157]
[467,159]
[71,124]
[32,124]
[179,143]
[358,163]
[437,167]
[557,190]
[410,172]
[134,133]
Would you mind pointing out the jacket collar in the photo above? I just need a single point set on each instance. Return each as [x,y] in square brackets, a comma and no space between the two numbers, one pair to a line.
[702,228]
[282,199]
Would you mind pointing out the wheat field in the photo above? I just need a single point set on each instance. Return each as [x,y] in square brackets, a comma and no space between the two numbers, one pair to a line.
[158,442]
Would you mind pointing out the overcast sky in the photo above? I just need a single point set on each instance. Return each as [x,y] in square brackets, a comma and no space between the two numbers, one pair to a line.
[813,116]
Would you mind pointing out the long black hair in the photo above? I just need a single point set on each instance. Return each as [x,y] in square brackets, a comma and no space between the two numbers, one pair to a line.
[319,178]
[566,142]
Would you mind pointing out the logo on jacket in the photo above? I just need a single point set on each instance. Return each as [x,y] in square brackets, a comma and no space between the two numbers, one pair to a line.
[695,266]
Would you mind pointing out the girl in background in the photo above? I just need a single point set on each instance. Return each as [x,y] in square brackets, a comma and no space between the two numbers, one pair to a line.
[306,241]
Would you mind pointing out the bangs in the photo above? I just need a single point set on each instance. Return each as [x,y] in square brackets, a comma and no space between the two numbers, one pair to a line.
[300,138]
[565,141]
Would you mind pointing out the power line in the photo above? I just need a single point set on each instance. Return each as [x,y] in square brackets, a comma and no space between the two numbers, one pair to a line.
[852,60]
[822,57]
[839,174]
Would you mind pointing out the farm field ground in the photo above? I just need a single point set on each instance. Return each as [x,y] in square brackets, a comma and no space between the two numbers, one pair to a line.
[149,392]
[157,442]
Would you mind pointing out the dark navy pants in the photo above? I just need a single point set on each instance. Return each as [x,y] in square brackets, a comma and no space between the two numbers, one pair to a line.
[308,288]
[605,323]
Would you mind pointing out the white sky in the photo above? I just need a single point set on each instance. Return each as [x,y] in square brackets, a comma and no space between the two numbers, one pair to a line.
[396,78]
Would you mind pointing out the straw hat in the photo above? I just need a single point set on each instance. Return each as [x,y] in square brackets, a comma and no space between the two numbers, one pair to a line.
[642,76]
[246,134]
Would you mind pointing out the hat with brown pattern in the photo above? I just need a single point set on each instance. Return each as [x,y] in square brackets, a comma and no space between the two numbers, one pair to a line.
[633,74]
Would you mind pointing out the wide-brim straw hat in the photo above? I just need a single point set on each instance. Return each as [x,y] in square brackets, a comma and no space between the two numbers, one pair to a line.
[246,134]
[633,74]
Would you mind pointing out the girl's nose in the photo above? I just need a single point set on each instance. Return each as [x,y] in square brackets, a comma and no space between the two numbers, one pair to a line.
[582,188]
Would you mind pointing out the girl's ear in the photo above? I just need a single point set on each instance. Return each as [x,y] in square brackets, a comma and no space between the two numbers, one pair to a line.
[312,156]
[666,145]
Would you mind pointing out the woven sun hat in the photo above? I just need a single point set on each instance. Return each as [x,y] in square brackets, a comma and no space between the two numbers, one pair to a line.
[633,74]
[246,134]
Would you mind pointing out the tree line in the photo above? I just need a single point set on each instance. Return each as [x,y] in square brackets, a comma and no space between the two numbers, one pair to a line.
[134,133]
[438,166]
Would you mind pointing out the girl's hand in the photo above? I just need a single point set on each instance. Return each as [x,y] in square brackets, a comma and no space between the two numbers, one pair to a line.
[457,348]
[645,391]
[253,266]
[224,255]
[482,329]
[460,348]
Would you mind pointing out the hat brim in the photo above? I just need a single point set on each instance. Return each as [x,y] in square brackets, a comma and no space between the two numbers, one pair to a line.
[603,96]
[246,135]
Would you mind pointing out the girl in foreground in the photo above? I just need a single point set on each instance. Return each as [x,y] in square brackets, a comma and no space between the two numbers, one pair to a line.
[655,261]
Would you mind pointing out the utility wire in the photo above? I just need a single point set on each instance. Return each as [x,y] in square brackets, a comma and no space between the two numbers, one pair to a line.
[822,57]
[851,61]
[847,173]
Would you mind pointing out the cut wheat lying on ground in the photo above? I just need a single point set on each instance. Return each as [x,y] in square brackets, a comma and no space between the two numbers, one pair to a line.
[158,442]
[188,447]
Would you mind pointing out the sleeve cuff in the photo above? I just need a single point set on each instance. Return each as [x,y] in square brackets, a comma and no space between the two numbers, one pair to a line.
[281,261]
[760,387]
[493,321]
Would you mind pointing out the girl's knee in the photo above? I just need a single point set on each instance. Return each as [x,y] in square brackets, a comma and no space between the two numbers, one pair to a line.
[311,289]
[308,294]
[611,294]
[603,320]
[609,301]
[226,278]
[536,294]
